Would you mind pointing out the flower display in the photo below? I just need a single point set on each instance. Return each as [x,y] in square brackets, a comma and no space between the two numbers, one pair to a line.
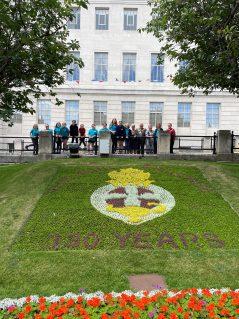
[164,304]
[131,197]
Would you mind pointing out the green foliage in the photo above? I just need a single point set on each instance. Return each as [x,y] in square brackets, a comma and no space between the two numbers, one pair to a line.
[205,33]
[34,50]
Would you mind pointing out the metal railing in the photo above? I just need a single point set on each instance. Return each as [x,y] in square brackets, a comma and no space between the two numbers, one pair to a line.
[234,143]
[196,143]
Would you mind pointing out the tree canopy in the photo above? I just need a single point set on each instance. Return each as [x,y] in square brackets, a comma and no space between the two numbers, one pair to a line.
[34,49]
[205,35]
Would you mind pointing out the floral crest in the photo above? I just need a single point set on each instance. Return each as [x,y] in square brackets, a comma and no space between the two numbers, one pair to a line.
[129,176]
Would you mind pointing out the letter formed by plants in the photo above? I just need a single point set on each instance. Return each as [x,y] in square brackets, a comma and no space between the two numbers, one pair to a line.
[131,197]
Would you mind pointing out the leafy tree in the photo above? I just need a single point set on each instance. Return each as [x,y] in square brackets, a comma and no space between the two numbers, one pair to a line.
[34,49]
[205,34]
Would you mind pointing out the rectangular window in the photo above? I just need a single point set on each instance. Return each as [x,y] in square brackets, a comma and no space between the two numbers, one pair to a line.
[73,70]
[101,66]
[75,22]
[100,112]
[184,114]
[129,67]
[157,70]
[128,109]
[130,19]
[155,113]
[44,111]
[212,115]
[102,19]
[72,111]
[17,118]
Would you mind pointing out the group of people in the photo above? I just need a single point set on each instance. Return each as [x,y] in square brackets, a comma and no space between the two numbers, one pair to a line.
[131,140]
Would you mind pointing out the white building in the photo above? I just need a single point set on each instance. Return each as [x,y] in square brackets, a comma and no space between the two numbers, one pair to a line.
[120,79]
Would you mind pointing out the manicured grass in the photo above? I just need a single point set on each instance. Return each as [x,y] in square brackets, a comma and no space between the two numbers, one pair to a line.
[41,200]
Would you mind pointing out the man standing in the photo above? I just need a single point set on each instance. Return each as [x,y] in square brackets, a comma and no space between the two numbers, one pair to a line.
[172,133]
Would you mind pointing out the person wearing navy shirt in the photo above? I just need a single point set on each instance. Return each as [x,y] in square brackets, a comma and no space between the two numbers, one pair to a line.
[74,132]
[120,134]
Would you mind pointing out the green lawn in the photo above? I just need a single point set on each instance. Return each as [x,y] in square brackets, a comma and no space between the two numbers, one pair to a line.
[48,228]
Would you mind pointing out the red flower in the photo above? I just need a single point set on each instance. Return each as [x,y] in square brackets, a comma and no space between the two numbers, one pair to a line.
[164,308]
[104,316]
[225,312]
[70,302]
[28,299]
[94,302]
[79,299]
[21,315]
[42,300]
[186,315]
[180,309]
[235,302]
[136,315]
[173,315]
[42,307]
[28,309]
[161,316]
[50,317]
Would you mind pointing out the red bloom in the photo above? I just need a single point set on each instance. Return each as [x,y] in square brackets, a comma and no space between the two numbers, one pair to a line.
[235,302]
[225,312]
[79,299]
[70,302]
[104,316]
[28,299]
[164,308]
[186,315]
[50,317]
[136,315]
[173,315]
[28,309]
[42,307]
[42,300]
[180,309]
[94,302]
[161,316]
[21,315]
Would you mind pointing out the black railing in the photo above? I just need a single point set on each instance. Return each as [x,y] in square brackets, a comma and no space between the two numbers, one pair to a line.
[234,142]
[196,143]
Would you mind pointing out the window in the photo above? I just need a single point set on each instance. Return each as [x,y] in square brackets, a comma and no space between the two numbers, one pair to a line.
[155,113]
[73,70]
[212,116]
[129,67]
[157,70]
[183,65]
[100,112]
[75,22]
[184,114]
[17,118]
[102,19]
[44,112]
[128,109]
[72,111]
[130,19]
[101,66]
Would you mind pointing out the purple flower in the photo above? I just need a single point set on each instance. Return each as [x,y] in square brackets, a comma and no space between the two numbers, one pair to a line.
[151,314]
[81,290]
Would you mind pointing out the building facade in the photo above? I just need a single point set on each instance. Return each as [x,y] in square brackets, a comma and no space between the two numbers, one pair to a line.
[121,79]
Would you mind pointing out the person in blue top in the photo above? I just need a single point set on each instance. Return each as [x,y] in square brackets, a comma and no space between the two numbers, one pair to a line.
[92,137]
[48,129]
[64,132]
[128,134]
[113,126]
[104,129]
[57,137]
[34,136]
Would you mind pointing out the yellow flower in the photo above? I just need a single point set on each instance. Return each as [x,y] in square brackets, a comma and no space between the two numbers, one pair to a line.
[129,177]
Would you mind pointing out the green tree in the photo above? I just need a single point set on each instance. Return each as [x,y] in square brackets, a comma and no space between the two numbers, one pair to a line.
[34,50]
[205,34]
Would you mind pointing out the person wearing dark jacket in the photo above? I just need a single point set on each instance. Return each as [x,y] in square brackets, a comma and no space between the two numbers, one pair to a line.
[121,135]
[74,131]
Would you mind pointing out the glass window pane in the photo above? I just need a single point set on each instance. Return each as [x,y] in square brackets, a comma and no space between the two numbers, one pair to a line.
[102,19]
[75,22]
[129,67]
[101,66]
[73,70]
[100,112]
[44,112]
[128,109]
[157,70]
[184,114]
[212,115]
[72,111]
[130,19]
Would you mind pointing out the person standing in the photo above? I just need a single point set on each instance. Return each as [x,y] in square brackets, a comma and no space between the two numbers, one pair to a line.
[74,132]
[120,134]
[57,137]
[172,133]
[128,134]
[133,144]
[65,132]
[113,126]
[157,132]
[82,135]
[150,140]
[141,133]
[92,134]
[34,136]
